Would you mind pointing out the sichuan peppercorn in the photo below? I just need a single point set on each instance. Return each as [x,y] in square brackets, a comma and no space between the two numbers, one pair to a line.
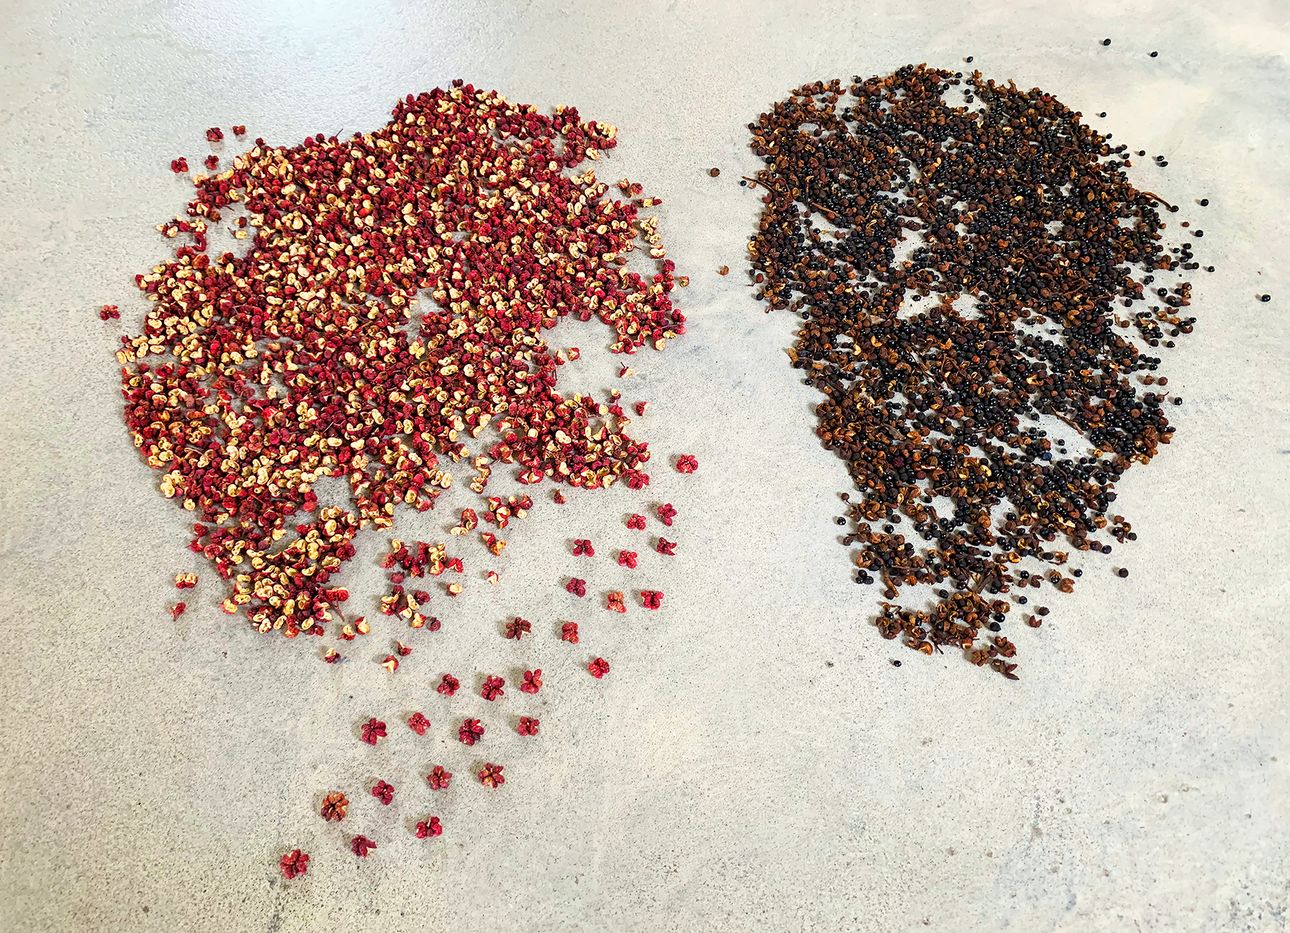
[959,270]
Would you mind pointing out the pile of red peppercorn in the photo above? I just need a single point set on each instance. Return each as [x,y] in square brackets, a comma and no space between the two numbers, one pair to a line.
[979,289]
[389,311]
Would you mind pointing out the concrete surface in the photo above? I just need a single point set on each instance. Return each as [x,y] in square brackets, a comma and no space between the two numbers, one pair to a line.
[753,760]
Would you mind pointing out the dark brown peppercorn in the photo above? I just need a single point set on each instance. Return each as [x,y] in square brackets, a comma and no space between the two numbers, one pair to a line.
[959,273]
[714,172]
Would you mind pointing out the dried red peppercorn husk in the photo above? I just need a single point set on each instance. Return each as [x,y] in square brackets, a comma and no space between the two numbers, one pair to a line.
[440,777]
[418,723]
[388,222]
[334,807]
[177,610]
[492,688]
[532,682]
[429,827]
[372,731]
[627,559]
[517,628]
[360,845]
[598,668]
[383,792]
[651,599]
[294,864]
[687,463]
[528,726]
[491,775]
[666,513]
[582,548]
[614,601]
[664,546]
[448,685]
[569,632]
[576,586]
[471,731]
[636,522]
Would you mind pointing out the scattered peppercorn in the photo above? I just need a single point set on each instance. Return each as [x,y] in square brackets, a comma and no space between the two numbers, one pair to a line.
[714,172]
[439,778]
[294,864]
[429,828]
[335,806]
[312,355]
[1018,223]
[372,731]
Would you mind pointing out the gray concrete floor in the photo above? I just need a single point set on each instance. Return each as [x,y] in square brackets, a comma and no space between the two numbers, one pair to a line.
[754,760]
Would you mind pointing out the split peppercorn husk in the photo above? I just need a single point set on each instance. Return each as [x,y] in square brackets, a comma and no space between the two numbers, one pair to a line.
[977,281]
[390,309]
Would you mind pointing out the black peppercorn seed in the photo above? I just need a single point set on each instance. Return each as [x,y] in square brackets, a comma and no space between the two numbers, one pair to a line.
[958,272]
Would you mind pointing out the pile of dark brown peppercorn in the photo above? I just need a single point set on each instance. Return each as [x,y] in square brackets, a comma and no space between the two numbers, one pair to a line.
[981,292]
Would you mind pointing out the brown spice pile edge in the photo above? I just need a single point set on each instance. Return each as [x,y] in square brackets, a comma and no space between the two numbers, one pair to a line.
[984,429]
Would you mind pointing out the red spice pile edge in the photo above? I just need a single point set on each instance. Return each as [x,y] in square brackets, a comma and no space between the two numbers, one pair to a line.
[310,356]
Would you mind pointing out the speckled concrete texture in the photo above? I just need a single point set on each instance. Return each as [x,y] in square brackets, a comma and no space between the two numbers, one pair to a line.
[754,761]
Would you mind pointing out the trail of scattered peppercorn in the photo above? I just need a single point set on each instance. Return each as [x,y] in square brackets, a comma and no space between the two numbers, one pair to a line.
[1040,261]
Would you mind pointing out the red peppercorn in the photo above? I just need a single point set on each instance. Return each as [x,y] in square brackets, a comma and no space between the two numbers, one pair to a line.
[517,628]
[664,546]
[177,610]
[576,586]
[428,828]
[211,162]
[239,130]
[418,723]
[582,548]
[179,166]
[569,632]
[652,599]
[598,668]
[439,777]
[372,731]
[214,134]
[614,601]
[294,864]
[636,522]
[471,731]
[666,513]
[360,845]
[383,792]
[491,775]
[687,463]
[335,806]
[627,559]
[528,726]
[448,685]
[532,681]
[492,688]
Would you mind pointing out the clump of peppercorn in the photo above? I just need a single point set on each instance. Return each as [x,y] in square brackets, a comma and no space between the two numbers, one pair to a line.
[391,308]
[989,424]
